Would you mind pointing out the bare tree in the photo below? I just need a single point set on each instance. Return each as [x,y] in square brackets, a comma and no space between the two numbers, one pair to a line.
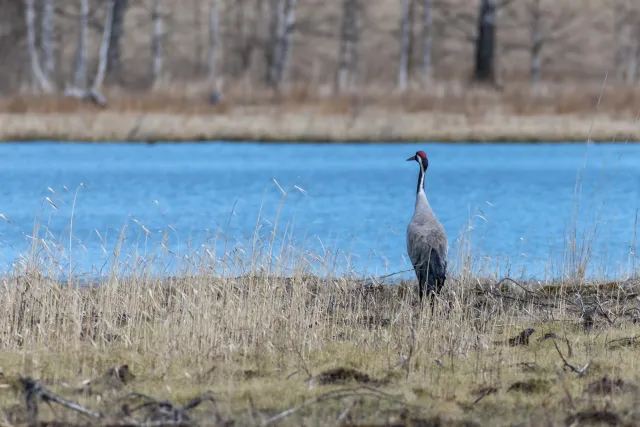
[46,38]
[276,27]
[626,27]
[554,36]
[94,94]
[285,42]
[484,70]
[634,55]
[197,40]
[348,43]
[619,24]
[36,68]
[114,54]
[279,45]
[427,23]
[80,75]
[536,43]
[404,45]
[213,37]
[156,44]
[104,47]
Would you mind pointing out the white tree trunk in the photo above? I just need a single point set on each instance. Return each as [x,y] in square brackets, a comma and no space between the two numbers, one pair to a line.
[633,57]
[157,45]
[404,45]
[618,30]
[285,40]
[104,47]
[427,37]
[197,33]
[213,38]
[47,38]
[275,42]
[348,35]
[80,75]
[36,68]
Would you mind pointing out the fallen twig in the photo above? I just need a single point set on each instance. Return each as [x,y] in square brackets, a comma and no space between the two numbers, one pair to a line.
[163,412]
[334,395]
[552,336]
[33,391]
[580,372]
[622,342]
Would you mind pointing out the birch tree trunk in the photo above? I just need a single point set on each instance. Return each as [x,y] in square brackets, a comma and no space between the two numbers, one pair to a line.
[197,40]
[536,44]
[404,45]
[104,47]
[213,38]
[427,39]
[157,45]
[618,29]
[285,41]
[348,39]
[275,39]
[47,38]
[634,56]
[36,69]
[80,75]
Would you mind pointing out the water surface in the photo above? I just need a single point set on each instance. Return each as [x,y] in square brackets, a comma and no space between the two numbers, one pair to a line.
[513,203]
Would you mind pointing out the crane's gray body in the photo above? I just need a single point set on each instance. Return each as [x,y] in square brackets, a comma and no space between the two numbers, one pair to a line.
[427,244]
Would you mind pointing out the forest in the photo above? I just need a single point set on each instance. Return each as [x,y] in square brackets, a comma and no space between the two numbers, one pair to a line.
[327,47]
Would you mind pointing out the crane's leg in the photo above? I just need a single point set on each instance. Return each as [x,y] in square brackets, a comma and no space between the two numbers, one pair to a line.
[422,281]
[432,289]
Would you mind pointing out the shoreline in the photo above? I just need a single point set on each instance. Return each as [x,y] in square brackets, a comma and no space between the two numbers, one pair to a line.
[272,125]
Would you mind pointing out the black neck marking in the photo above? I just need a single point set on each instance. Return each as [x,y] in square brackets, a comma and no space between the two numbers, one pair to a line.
[424,164]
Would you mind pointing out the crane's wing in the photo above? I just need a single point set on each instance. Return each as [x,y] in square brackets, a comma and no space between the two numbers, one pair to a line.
[427,250]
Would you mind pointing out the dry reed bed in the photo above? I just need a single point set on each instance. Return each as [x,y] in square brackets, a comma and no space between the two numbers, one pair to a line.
[263,345]
[445,112]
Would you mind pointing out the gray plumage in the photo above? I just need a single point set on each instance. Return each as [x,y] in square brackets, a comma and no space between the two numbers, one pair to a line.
[427,244]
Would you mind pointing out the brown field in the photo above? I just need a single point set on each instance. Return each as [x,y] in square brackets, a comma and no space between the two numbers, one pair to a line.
[452,114]
[300,350]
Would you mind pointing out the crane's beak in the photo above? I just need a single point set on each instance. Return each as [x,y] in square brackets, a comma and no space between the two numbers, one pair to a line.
[411,158]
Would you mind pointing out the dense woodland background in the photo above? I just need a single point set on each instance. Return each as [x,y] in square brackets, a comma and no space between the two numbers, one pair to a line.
[326,47]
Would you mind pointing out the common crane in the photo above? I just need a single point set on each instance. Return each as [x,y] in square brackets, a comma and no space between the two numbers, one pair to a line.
[427,243]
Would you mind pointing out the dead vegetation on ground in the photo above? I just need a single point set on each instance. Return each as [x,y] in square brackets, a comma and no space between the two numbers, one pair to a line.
[251,350]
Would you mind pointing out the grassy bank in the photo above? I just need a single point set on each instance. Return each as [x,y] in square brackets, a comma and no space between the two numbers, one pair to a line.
[307,126]
[300,350]
[442,113]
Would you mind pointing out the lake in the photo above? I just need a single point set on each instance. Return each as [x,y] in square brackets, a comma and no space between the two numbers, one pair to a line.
[512,205]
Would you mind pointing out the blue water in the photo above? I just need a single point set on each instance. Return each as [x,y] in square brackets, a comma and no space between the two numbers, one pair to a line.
[347,204]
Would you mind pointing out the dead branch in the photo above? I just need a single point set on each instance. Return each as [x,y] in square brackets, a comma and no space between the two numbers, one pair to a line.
[580,372]
[161,412]
[622,342]
[337,395]
[551,335]
[35,391]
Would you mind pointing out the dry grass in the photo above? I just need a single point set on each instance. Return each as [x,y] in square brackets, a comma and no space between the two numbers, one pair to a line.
[443,112]
[264,336]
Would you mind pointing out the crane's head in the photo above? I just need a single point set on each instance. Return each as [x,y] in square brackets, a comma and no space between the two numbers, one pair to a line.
[421,158]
